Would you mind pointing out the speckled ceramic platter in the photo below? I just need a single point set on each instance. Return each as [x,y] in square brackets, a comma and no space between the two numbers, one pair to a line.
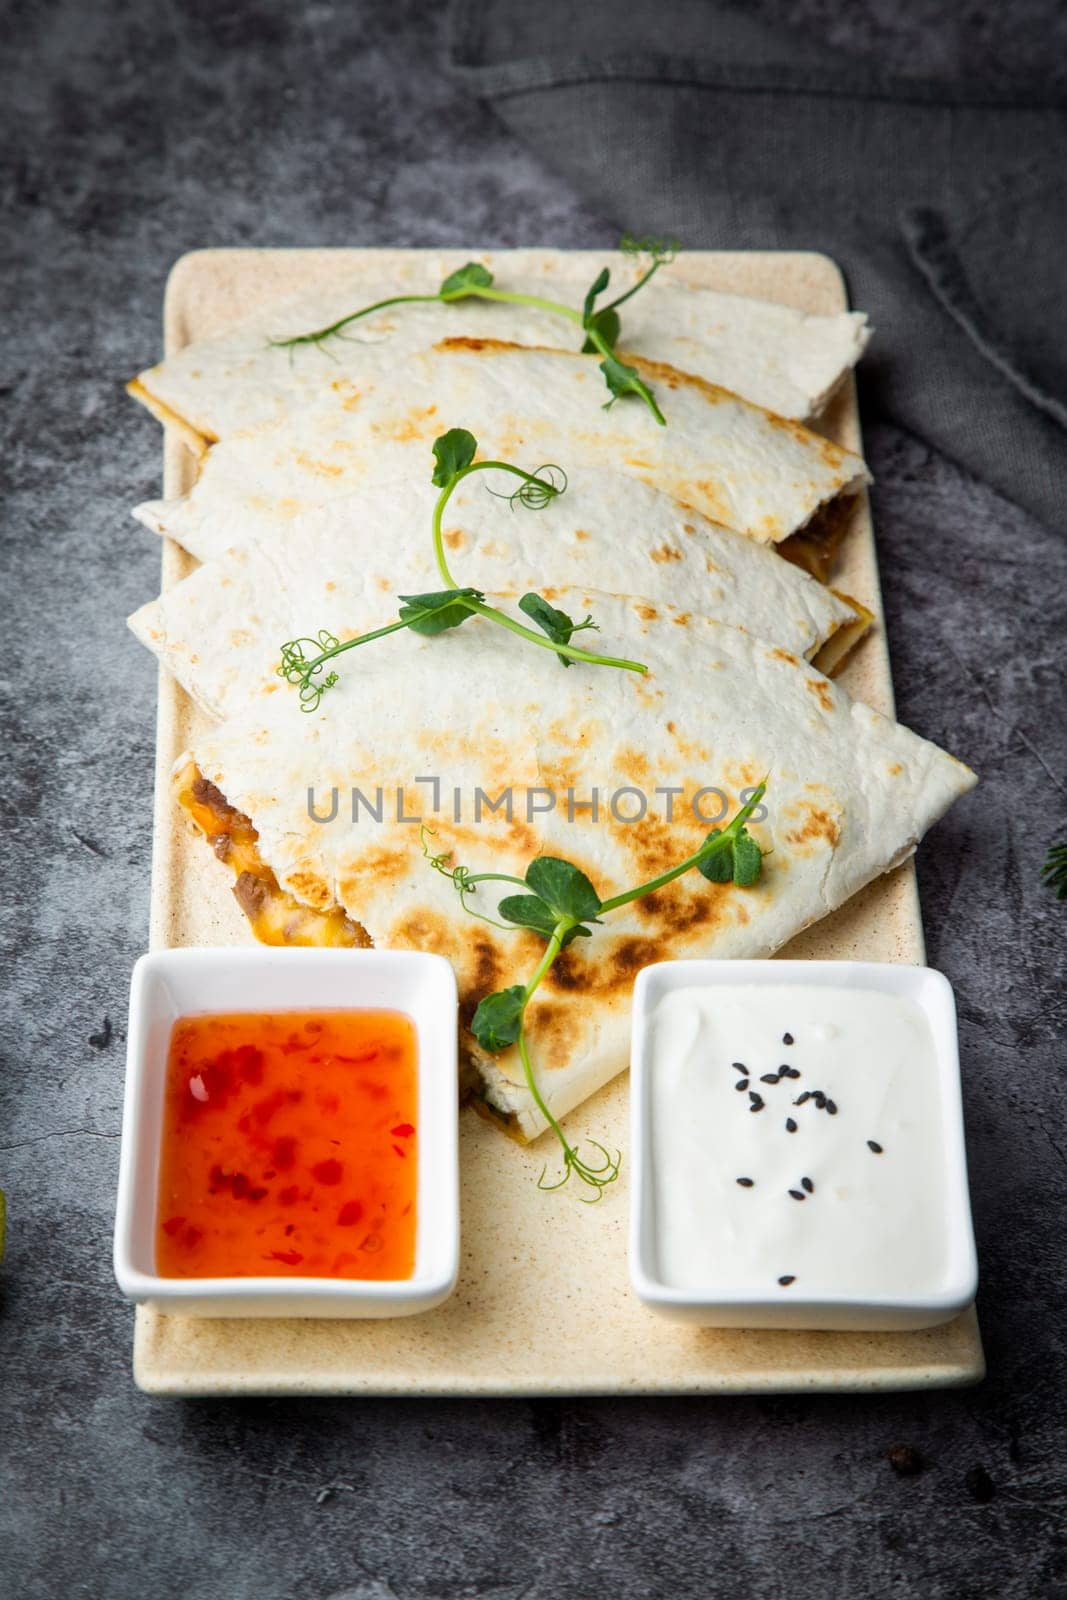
[543,1304]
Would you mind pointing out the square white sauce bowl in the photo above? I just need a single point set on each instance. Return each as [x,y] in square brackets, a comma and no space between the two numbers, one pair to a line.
[797,1146]
[171,984]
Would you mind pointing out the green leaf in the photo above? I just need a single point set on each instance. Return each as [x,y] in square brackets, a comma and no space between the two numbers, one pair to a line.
[625,380]
[648,244]
[498,1019]
[557,624]
[529,911]
[430,614]
[600,282]
[563,887]
[465,279]
[452,452]
[748,860]
[739,861]
[607,324]
[718,867]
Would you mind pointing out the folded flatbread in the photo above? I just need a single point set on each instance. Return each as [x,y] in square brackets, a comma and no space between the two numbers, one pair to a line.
[778,357]
[737,464]
[849,794]
[342,566]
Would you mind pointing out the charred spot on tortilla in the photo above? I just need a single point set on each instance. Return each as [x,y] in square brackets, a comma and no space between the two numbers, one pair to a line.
[818,825]
[822,692]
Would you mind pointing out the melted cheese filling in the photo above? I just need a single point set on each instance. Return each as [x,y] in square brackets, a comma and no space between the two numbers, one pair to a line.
[831,657]
[276,916]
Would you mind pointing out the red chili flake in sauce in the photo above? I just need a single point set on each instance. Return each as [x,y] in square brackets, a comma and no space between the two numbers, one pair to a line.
[283,1153]
[329,1172]
[295,1043]
[244,1164]
[264,1110]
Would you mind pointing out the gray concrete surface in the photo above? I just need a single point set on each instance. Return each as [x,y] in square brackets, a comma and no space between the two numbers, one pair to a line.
[135,132]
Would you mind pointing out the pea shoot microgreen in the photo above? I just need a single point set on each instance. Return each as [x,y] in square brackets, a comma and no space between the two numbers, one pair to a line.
[1054,871]
[560,905]
[304,660]
[601,325]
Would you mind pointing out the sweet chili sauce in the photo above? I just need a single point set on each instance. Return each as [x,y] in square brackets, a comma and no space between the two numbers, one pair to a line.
[289,1146]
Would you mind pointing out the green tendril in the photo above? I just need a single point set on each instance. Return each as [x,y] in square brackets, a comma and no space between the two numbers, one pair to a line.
[464,881]
[298,667]
[537,491]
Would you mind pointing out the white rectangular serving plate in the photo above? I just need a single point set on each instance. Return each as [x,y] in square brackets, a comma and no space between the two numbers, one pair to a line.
[543,1304]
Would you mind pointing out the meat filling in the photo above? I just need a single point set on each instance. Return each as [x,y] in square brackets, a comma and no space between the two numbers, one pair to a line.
[275,915]
[815,546]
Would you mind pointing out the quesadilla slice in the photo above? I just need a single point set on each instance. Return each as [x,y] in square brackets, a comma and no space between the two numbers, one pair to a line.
[771,354]
[340,567]
[505,757]
[738,465]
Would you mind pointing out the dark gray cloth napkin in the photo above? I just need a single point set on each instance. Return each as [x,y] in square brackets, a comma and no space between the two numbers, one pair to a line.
[944,203]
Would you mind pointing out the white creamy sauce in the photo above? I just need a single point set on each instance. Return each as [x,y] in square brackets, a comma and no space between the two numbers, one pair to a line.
[869,1223]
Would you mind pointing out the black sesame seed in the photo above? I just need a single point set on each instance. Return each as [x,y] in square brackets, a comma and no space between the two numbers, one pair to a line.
[798,1194]
[747,1183]
[787,1038]
[788,1072]
[768,1077]
[831,1107]
[742,1083]
[802,1099]
[872,1144]
[757,1100]
[787,1280]
[739,1066]
[790,1125]
[806,1183]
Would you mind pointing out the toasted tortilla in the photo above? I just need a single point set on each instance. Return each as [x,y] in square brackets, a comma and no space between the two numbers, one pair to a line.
[771,354]
[849,795]
[735,463]
[342,566]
